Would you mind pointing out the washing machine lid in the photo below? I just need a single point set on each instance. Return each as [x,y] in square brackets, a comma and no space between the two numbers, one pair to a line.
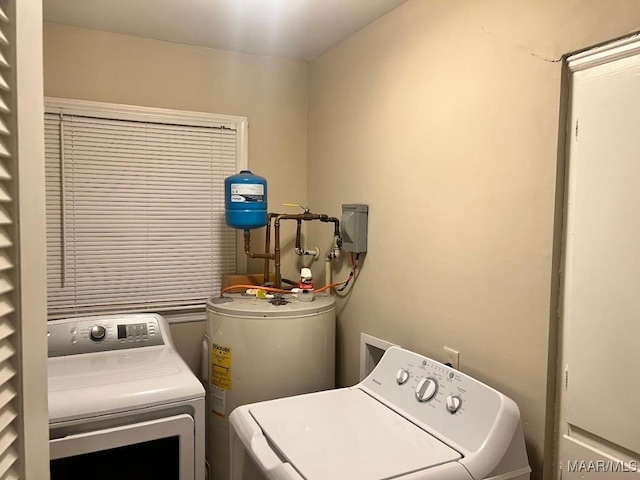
[347,434]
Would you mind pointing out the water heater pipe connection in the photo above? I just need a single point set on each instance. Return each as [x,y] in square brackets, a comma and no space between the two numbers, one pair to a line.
[298,248]
[276,255]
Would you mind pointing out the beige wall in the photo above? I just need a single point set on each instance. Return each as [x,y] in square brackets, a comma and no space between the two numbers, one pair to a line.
[272,93]
[444,117]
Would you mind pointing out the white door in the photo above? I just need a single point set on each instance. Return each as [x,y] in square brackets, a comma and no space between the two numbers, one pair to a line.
[599,391]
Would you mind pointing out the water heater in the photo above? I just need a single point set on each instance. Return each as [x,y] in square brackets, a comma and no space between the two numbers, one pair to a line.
[257,350]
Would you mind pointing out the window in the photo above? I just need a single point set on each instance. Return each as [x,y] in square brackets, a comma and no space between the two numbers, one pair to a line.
[135,208]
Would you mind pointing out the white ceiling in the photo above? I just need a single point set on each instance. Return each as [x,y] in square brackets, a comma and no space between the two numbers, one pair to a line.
[300,29]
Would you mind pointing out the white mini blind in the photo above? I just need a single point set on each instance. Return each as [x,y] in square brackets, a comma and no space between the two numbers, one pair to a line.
[135,214]
[8,318]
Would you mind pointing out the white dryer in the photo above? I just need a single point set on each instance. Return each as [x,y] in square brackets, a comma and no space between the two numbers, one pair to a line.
[122,403]
[412,418]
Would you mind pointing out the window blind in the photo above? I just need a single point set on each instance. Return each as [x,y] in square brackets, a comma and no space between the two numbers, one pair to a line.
[8,319]
[135,214]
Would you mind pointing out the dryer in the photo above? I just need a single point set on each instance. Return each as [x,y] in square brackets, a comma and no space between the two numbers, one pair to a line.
[412,418]
[122,403]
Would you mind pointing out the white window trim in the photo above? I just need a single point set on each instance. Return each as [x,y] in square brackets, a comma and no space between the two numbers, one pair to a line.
[165,115]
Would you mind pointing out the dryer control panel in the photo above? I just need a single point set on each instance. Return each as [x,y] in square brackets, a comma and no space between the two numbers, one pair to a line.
[72,336]
[445,402]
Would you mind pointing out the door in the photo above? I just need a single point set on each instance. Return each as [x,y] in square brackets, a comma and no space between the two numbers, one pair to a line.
[599,421]
[161,449]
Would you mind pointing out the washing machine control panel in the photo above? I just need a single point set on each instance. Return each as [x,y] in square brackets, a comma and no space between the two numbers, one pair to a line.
[103,333]
[442,400]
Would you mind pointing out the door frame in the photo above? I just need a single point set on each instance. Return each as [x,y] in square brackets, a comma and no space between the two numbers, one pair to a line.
[591,58]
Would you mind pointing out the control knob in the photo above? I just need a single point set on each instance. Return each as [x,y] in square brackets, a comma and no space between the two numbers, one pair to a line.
[97,333]
[402,376]
[454,402]
[426,389]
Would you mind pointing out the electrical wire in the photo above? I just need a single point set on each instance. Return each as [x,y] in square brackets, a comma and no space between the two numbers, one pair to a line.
[344,283]
[351,273]
[266,289]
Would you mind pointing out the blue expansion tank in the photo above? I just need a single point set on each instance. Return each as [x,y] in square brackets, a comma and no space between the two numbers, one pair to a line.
[245,200]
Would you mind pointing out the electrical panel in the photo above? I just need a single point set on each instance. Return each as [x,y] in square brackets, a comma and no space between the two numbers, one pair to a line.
[353,227]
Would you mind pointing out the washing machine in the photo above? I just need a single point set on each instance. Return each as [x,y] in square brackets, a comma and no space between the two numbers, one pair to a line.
[122,403]
[412,418]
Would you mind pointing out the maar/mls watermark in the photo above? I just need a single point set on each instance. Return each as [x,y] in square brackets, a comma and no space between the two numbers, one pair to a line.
[602,466]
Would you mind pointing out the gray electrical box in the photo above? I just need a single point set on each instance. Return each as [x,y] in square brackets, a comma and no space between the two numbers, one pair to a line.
[353,227]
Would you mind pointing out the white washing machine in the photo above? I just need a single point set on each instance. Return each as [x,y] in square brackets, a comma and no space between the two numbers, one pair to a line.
[412,418]
[122,403]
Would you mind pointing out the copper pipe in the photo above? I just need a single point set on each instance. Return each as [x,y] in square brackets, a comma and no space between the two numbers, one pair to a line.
[303,216]
[247,248]
[267,247]
[276,255]
[336,226]
[276,251]
[298,230]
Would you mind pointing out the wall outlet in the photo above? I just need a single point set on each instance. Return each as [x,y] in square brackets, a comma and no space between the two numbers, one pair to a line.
[452,357]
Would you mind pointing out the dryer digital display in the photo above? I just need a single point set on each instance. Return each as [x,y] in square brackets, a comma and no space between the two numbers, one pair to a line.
[132,330]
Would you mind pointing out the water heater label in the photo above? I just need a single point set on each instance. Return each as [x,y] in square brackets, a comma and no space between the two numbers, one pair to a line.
[220,377]
[247,192]
[218,401]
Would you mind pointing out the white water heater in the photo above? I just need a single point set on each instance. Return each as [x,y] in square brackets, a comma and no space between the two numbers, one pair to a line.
[260,350]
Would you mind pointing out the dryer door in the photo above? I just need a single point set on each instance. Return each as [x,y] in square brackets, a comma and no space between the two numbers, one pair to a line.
[158,449]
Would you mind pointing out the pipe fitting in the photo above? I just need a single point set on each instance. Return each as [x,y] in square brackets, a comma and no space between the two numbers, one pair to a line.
[302,252]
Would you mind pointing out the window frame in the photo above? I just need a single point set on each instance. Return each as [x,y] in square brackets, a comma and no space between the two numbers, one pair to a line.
[55,105]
